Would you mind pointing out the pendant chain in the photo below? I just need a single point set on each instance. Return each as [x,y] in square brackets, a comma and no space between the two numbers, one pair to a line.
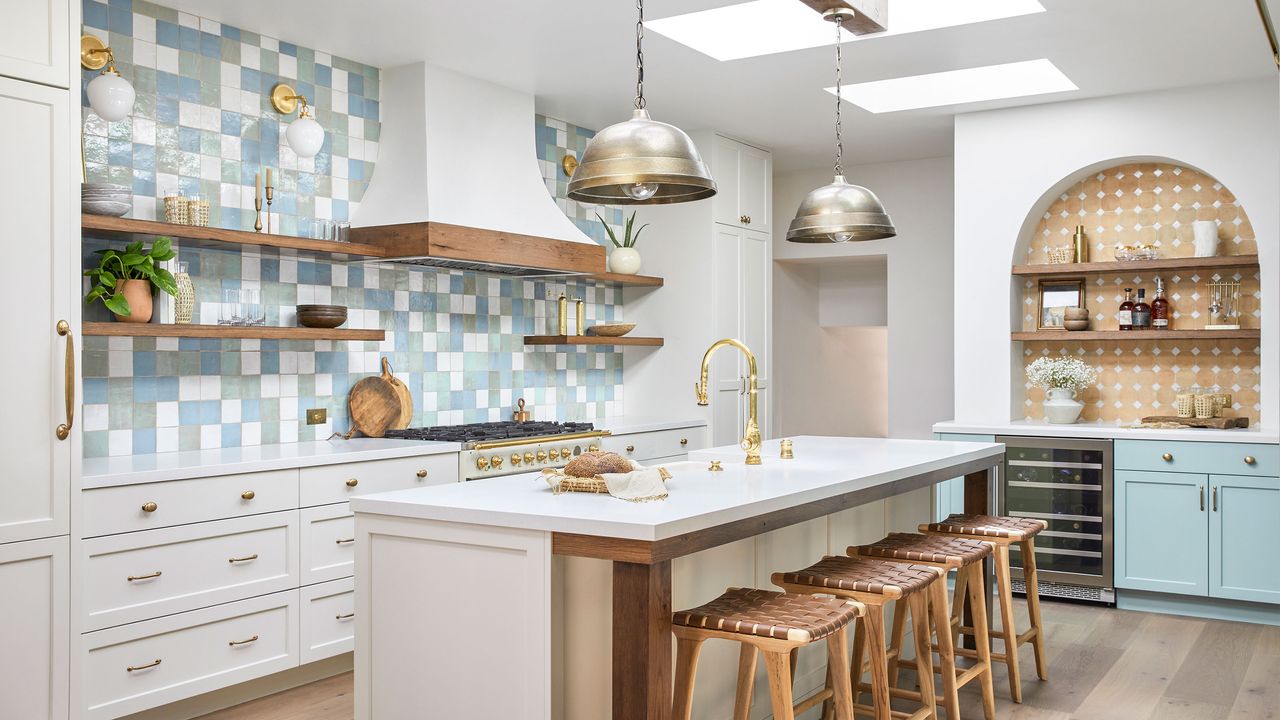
[640,101]
[839,143]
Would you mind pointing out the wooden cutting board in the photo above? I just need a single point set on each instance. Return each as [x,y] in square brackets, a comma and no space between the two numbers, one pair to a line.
[1222,423]
[375,404]
[402,392]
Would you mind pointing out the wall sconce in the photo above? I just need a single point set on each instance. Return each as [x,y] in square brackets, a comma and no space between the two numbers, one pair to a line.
[110,96]
[304,135]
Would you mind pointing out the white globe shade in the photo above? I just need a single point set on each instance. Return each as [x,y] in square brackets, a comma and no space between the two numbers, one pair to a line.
[111,97]
[305,136]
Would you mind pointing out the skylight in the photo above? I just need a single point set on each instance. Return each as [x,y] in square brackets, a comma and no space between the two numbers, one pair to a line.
[957,87]
[765,27]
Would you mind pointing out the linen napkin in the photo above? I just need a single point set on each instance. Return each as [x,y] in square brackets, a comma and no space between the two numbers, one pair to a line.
[642,484]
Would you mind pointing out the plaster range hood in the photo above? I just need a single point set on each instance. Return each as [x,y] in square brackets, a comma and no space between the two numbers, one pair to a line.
[457,183]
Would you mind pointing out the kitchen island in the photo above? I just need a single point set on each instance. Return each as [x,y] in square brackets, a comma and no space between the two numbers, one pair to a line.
[453,592]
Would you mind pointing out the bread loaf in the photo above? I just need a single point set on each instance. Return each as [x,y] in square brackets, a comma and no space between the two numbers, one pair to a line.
[591,464]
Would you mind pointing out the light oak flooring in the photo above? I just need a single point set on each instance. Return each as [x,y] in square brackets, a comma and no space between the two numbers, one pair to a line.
[1103,665]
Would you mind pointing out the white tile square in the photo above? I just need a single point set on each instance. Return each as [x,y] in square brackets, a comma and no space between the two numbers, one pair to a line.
[251,433]
[144,130]
[96,417]
[119,442]
[167,59]
[210,437]
[188,20]
[250,56]
[231,151]
[230,75]
[324,384]
[189,387]
[213,27]
[210,168]
[119,363]
[144,53]
[189,114]
[355,128]
[144,27]
[250,363]
[288,66]
[289,431]
[210,387]
[270,386]
[167,439]
[166,414]
[230,411]
[270,43]
[339,80]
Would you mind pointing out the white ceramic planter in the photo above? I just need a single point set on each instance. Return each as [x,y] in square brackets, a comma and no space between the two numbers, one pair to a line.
[624,261]
[1061,407]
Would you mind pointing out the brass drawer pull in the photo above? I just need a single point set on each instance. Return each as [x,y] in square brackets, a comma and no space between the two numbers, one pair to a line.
[234,643]
[1215,498]
[353,482]
[248,495]
[133,578]
[132,668]
[346,616]
[684,441]
[631,448]
[421,474]
[246,558]
[1201,498]
[345,541]
[1250,460]
[150,507]
[1167,457]
[63,431]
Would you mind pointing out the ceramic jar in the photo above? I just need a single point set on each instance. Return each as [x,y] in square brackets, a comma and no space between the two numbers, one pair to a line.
[624,261]
[1061,407]
[1206,237]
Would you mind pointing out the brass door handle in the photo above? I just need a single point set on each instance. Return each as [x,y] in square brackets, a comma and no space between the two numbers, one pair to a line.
[248,495]
[1201,498]
[150,507]
[1215,498]
[421,474]
[353,482]
[152,664]
[344,616]
[68,382]
[133,578]
[234,643]
[344,541]
[246,558]
[1250,460]
[1167,457]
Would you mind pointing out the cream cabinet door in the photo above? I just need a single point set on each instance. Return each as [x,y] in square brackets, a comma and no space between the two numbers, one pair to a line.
[744,178]
[742,290]
[33,42]
[34,194]
[34,624]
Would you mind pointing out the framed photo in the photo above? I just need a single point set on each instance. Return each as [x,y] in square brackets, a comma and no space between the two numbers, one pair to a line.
[1055,297]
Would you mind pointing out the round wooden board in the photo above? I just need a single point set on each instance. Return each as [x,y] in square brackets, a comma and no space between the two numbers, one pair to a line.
[402,392]
[374,406]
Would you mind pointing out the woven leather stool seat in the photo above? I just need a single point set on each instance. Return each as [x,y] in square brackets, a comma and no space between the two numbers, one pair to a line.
[861,575]
[953,552]
[765,613]
[993,526]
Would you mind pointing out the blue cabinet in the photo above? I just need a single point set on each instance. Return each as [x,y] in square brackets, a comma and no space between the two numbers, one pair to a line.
[1162,532]
[1244,538]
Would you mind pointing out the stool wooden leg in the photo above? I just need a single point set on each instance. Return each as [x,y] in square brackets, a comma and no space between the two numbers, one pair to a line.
[879,661]
[859,657]
[959,599]
[1033,605]
[838,675]
[946,650]
[895,640]
[778,664]
[687,652]
[746,682]
[919,603]
[1004,588]
[982,637]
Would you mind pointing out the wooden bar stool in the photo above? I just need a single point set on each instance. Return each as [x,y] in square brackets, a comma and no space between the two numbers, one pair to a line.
[947,554]
[876,583]
[773,623]
[1001,532]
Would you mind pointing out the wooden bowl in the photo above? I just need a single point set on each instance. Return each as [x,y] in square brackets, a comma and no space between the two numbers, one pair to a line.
[321,316]
[1075,313]
[611,329]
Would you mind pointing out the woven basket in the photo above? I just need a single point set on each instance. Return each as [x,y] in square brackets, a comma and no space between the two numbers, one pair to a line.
[568,483]
[1204,406]
[1061,255]
[1185,405]
[175,210]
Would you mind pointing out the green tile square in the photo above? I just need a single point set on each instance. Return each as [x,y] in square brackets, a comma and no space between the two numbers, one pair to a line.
[189,437]
[188,64]
[94,443]
[229,51]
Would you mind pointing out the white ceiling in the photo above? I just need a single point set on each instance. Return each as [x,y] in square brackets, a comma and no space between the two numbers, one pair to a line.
[577,57]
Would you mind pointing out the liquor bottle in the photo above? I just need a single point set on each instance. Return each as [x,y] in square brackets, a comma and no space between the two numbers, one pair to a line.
[1141,312]
[1160,309]
[1126,310]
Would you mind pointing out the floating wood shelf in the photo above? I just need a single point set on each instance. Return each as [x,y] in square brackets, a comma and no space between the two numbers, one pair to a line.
[590,340]
[1131,335]
[628,280]
[260,332]
[1115,266]
[114,228]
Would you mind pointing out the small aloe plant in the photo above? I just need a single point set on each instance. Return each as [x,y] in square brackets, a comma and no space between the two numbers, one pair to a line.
[628,239]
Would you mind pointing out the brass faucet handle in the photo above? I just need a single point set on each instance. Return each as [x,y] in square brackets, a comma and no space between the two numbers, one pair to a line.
[700,393]
[715,466]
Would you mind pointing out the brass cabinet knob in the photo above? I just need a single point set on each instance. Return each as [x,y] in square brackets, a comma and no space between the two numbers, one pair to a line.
[149,507]
[684,441]
[528,458]
[247,495]
[1250,460]
[593,448]
[1168,457]
[516,458]
[353,482]
[542,456]
[482,463]
[554,453]
[496,461]
[421,474]
[631,448]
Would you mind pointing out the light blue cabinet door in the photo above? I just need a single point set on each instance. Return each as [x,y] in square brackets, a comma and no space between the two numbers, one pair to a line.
[1162,532]
[948,495]
[1244,538]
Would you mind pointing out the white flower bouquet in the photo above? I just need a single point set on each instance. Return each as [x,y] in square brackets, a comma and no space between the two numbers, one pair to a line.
[1065,373]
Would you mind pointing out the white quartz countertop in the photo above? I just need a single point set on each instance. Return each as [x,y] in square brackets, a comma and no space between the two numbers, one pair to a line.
[1110,430]
[628,424]
[823,467]
[158,467]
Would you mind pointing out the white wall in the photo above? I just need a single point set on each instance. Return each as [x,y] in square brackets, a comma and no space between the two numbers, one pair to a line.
[1009,165]
[854,294]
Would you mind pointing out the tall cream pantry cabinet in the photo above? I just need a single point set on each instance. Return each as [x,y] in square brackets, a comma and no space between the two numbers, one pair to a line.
[39,443]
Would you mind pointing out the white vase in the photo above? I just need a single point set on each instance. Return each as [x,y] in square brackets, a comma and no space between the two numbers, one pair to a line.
[1206,237]
[1061,407]
[624,261]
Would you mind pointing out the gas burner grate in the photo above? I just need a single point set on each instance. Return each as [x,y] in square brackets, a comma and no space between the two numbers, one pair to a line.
[484,432]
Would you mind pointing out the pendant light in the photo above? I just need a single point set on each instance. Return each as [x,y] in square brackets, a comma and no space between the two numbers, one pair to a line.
[840,212]
[641,161]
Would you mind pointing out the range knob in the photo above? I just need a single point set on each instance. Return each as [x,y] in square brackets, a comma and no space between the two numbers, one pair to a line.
[553,453]
[528,458]
[516,459]
[567,452]
[496,461]
[542,456]
[482,463]
[593,448]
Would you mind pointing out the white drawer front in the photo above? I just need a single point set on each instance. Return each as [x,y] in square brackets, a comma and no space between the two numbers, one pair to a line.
[328,543]
[187,567]
[195,651]
[127,508]
[328,619]
[660,444]
[325,484]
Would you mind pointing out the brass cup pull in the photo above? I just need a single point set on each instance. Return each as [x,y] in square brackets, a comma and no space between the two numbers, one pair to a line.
[344,541]
[353,482]
[1167,457]
[1250,460]
[421,474]
[344,616]
[234,643]
[133,668]
[246,558]
[150,507]
[247,495]
[63,430]
[631,448]
[134,578]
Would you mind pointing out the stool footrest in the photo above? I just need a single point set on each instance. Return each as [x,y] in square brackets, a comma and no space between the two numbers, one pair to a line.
[813,700]
[868,711]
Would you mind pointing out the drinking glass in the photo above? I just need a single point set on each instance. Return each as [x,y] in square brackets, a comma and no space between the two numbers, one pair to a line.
[251,307]
[229,312]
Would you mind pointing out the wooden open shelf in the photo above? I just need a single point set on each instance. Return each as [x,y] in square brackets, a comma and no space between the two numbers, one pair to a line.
[628,280]
[129,229]
[1115,266]
[590,340]
[123,329]
[1131,335]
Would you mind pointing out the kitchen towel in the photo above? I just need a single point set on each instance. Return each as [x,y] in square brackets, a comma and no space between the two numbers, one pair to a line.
[642,484]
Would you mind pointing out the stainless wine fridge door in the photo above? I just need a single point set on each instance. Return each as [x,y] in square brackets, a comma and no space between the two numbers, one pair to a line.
[1066,483]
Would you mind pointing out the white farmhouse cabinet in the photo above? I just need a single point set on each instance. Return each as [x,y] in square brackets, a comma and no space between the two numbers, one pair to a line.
[34,625]
[741,301]
[34,39]
[744,180]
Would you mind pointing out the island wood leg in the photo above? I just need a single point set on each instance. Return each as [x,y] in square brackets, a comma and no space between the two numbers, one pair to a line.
[641,641]
[980,499]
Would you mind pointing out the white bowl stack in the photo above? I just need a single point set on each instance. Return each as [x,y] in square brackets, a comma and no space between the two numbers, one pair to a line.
[105,199]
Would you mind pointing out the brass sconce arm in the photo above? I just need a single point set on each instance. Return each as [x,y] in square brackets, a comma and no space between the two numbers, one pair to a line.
[286,100]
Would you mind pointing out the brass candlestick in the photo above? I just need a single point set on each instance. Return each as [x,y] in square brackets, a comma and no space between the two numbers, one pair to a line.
[271,193]
[257,211]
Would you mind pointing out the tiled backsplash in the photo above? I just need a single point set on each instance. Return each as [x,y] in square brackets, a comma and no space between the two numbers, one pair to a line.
[557,138]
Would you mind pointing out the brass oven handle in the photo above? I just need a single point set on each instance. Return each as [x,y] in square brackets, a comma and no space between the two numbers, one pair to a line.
[1167,457]
[132,578]
[344,541]
[234,643]
[248,495]
[68,381]
[344,616]
[152,664]
[1201,498]
[246,558]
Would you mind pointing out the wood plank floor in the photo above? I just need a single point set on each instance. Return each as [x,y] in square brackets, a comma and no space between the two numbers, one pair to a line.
[1103,665]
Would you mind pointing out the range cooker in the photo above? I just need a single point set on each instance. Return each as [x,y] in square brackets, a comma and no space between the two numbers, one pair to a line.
[493,449]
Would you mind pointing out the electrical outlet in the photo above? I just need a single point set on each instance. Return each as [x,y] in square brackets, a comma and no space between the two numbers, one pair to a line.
[317,416]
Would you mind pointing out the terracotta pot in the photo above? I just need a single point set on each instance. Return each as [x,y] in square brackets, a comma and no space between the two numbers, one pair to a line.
[138,294]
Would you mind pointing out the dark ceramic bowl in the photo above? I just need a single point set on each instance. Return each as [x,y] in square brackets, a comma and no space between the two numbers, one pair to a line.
[321,316]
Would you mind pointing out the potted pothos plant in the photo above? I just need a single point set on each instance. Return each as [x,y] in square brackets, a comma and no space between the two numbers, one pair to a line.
[624,259]
[123,281]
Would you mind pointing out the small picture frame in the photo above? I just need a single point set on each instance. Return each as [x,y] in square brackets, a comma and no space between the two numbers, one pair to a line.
[1055,297]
